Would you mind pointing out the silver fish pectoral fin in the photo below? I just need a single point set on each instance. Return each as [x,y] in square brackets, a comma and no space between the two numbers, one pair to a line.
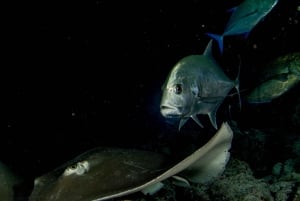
[182,122]
[195,118]
[185,119]
[212,117]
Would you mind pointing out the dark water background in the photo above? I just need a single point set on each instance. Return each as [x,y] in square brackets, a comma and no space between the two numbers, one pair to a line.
[89,73]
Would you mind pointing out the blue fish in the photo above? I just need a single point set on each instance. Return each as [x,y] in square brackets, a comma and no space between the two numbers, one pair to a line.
[244,18]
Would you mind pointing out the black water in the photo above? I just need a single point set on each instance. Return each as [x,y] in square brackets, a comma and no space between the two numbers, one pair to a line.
[89,73]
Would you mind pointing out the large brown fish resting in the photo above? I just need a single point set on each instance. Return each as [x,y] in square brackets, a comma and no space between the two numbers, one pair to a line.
[99,173]
[106,173]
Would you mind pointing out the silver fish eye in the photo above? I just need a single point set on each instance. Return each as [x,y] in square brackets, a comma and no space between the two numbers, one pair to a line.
[178,88]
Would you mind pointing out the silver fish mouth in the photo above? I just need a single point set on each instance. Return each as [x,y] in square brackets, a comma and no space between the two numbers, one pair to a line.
[170,112]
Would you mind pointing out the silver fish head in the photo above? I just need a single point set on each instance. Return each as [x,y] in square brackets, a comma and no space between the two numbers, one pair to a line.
[176,100]
[196,85]
[179,93]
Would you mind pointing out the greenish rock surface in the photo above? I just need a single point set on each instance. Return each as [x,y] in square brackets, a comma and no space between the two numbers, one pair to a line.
[277,78]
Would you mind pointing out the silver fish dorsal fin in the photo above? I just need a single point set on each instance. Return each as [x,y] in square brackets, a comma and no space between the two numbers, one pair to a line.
[208,49]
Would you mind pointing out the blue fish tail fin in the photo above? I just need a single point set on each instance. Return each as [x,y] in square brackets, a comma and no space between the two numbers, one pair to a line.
[219,39]
[231,10]
[246,34]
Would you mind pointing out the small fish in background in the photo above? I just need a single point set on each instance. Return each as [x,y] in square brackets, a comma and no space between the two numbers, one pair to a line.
[277,78]
[195,85]
[244,18]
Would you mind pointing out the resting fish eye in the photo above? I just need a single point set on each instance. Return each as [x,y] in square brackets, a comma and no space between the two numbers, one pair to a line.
[73,167]
[178,88]
[79,168]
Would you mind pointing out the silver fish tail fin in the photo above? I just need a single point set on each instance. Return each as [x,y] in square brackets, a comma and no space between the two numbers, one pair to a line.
[219,39]
[237,84]
[237,87]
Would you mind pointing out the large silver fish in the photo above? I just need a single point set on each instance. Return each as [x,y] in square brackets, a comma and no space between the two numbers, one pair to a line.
[195,85]
[244,18]
[106,173]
